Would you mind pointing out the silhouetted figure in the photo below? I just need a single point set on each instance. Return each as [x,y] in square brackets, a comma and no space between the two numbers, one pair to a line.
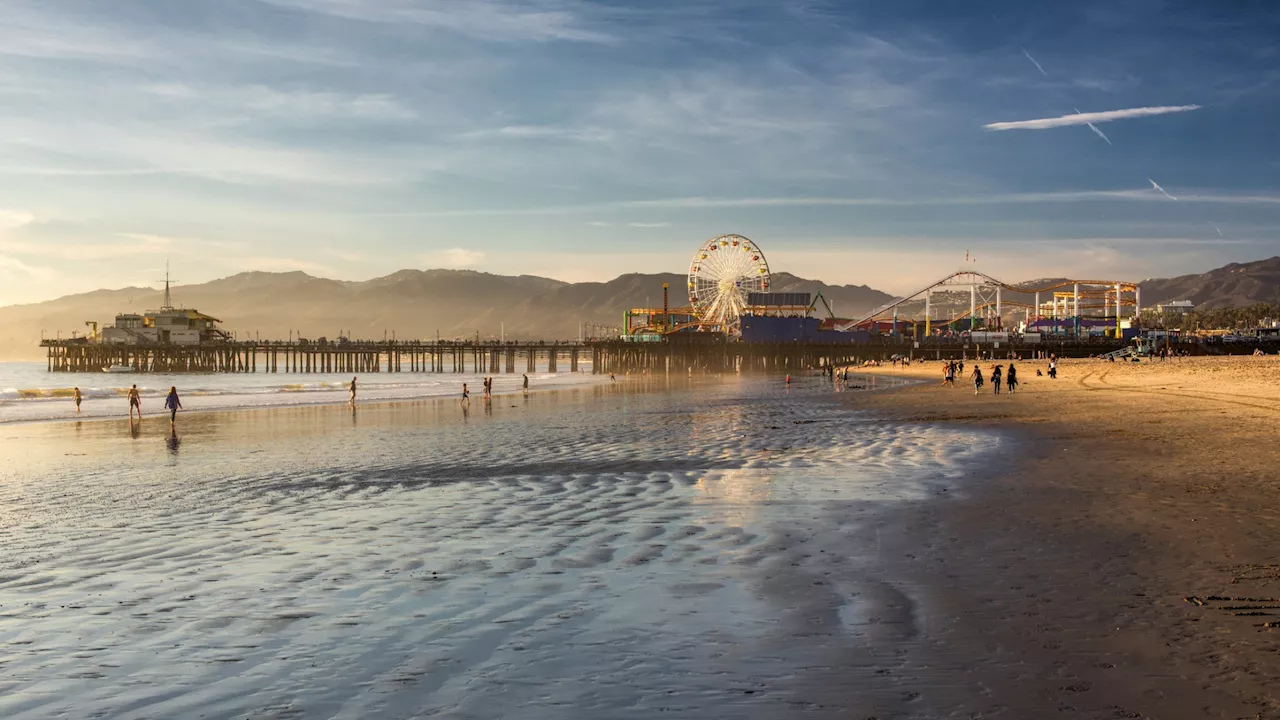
[173,405]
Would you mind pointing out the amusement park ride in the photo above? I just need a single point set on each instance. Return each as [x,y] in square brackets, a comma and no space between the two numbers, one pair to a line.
[1088,303]
[728,279]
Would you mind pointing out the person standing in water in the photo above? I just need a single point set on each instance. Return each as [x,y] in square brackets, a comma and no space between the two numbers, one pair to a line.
[353,392]
[79,397]
[135,401]
[466,395]
[173,405]
[526,384]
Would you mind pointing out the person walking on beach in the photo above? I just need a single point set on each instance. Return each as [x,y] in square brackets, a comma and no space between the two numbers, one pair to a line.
[466,395]
[173,405]
[977,379]
[996,372]
[1011,379]
[526,384]
[135,401]
[79,397]
[353,392]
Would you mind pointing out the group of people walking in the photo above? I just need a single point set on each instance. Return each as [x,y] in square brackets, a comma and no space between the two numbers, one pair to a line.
[488,389]
[172,403]
[998,375]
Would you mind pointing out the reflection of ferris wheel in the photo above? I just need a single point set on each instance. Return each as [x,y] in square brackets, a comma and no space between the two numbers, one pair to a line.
[723,272]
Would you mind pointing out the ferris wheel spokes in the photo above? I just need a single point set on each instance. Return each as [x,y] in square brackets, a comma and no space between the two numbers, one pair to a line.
[724,271]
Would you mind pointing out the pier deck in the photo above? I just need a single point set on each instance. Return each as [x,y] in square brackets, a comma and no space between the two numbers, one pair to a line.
[698,354]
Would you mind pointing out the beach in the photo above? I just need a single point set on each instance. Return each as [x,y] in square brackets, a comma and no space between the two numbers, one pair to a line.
[721,547]
[1126,566]
[630,549]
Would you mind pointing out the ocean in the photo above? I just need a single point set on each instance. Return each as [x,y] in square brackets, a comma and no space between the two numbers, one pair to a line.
[28,392]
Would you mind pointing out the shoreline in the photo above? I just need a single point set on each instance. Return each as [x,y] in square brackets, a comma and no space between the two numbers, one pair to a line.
[327,397]
[1092,575]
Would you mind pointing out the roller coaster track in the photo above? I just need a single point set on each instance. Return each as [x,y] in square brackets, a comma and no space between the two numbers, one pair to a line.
[986,280]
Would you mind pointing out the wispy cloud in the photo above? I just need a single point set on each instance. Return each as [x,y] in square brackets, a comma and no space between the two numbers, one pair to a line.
[1080,118]
[87,251]
[648,224]
[11,265]
[540,132]
[484,19]
[11,219]
[715,203]
[1033,62]
[454,258]
[1161,190]
[1095,129]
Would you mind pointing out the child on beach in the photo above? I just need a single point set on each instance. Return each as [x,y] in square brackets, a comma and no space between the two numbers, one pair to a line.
[78,398]
[173,405]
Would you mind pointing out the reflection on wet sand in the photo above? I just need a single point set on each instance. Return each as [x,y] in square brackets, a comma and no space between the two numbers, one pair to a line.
[616,551]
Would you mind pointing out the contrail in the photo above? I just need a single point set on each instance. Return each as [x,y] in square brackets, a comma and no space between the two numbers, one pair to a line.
[1164,192]
[1086,118]
[1033,62]
[1094,128]
[1215,227]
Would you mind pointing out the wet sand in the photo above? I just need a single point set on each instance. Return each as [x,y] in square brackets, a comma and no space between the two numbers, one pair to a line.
[722,549]
[1127,565]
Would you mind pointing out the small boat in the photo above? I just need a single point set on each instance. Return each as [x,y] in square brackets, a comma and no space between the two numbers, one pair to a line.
[119,369]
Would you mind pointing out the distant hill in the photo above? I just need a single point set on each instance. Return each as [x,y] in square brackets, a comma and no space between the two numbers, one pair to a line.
[1229,285]
[462,303]
[410,303]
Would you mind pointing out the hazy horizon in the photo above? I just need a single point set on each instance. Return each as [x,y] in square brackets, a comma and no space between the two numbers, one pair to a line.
[578,140]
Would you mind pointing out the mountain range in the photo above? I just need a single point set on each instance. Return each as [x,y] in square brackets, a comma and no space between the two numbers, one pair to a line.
[466,303]
[407,304]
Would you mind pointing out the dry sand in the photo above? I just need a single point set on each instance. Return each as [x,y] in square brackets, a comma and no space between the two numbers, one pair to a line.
[1126,566]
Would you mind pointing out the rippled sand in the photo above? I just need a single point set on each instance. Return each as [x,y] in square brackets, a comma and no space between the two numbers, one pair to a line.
[615,551]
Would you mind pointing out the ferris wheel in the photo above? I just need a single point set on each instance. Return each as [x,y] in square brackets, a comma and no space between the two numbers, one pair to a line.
[724,270]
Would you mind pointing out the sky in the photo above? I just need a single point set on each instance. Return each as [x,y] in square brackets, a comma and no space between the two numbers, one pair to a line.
[856,142]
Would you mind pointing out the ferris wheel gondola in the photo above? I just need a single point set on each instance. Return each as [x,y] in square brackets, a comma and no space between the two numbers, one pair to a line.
[724,272]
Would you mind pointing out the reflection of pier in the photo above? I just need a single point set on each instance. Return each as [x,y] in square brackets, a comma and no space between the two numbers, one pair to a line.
[78,355]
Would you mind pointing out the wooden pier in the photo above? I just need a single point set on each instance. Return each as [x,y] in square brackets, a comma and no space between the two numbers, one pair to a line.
[307,357]
[696,354]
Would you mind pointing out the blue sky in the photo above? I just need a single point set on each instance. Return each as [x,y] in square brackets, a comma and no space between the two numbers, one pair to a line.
[582,140]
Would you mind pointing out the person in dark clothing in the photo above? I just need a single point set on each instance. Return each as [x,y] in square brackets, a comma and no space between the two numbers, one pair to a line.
[173,405]
[1011,379]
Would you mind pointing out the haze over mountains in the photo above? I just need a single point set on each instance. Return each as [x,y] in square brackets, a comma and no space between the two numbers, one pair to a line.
[408,303]
[462,303]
